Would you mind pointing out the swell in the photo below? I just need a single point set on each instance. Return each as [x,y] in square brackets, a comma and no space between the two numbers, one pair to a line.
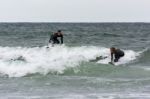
[144,57]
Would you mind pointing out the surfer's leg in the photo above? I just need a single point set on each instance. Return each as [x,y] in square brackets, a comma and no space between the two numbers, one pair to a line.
[116,60]
[56,41]
[117,57]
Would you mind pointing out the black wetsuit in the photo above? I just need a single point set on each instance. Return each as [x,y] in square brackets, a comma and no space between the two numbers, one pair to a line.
[118,54]
[54,38]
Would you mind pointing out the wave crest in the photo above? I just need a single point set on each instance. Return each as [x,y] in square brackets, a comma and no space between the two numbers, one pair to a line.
[21,61]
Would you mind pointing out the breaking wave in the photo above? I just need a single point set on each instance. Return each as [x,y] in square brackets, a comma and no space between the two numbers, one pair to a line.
[21,61]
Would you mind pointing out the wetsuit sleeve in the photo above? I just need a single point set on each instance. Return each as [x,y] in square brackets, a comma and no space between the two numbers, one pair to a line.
[62,39]
[111,57]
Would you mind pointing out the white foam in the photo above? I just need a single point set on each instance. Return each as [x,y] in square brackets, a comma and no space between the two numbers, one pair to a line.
[55,59]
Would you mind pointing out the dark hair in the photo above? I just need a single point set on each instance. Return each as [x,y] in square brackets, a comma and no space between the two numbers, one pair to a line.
[113,48]
[59,30]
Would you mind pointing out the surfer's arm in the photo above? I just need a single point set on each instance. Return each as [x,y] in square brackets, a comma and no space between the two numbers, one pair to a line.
[62,39]
[111,57]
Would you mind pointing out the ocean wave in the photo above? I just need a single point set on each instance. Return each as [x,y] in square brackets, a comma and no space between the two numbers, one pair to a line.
[111,35]
[22,61]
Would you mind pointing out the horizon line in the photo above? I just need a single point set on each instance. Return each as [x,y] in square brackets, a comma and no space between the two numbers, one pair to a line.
[69,22]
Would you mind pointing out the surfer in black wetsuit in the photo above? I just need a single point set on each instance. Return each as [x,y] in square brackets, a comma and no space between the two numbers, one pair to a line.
[54,38]
[117,53]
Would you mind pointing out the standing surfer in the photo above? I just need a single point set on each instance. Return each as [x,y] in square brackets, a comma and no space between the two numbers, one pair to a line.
[54,38]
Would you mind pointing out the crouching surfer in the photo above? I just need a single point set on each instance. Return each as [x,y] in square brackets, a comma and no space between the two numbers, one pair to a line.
[116,54]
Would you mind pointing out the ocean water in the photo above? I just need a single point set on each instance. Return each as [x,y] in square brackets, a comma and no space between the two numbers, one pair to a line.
[30,70]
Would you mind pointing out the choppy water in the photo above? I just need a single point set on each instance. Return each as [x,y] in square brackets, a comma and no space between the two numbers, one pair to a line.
[30,70]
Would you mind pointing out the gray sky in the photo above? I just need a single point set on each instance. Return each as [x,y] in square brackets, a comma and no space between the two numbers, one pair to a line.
[74,10]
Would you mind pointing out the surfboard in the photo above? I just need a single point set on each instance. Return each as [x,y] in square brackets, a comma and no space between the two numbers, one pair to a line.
[50,45]
[98,58]
[111,63]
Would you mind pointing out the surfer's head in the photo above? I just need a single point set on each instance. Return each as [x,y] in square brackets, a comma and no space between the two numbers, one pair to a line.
[59,31]
[112,49]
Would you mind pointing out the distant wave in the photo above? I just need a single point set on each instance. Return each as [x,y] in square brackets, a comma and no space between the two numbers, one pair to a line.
[111,35]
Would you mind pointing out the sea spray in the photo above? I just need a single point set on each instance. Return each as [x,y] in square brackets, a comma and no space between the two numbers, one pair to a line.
[21,61]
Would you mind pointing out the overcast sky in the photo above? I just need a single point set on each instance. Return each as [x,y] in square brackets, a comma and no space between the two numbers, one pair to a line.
[74,10]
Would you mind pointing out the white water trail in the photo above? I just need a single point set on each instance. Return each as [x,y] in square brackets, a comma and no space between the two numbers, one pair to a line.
[21,61]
